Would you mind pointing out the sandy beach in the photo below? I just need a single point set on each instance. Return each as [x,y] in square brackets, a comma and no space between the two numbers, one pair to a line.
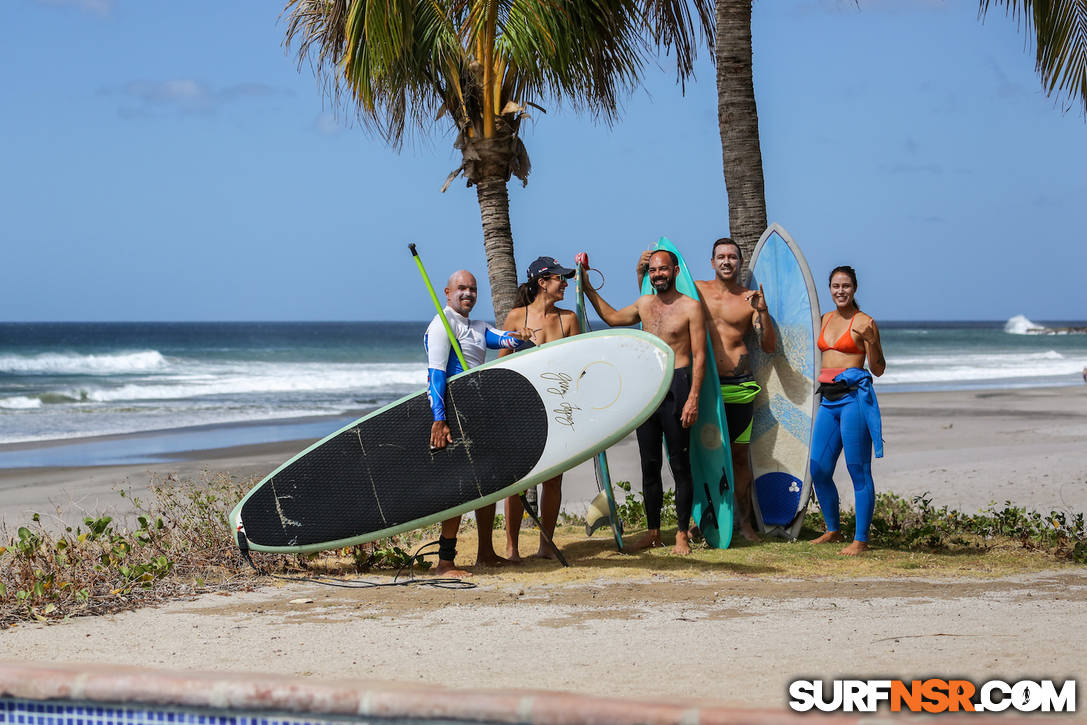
[732,636]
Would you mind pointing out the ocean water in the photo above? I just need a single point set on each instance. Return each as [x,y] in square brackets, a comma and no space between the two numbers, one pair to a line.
[65,381]
[71,380]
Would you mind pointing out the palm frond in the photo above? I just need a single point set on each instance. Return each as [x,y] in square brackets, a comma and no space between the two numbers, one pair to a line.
[405,63]
[1060,31]
[594,51]
[674,28]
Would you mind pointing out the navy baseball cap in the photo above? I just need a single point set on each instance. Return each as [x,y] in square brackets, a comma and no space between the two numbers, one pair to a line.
[548,265]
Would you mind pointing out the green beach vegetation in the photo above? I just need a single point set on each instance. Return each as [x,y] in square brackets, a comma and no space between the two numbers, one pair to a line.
[179,545]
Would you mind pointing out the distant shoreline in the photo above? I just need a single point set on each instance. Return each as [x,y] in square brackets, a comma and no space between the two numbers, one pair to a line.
[168,444]
[163,445]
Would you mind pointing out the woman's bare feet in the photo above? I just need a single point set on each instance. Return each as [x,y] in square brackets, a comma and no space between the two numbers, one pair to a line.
[448,568]
[828,537]
[855,549]
[748,532]
[492,559]
[545,552]
[512,555]
[683,544]
[651,540]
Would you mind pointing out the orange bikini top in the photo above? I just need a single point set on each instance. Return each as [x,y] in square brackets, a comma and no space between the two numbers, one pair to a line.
[844,343]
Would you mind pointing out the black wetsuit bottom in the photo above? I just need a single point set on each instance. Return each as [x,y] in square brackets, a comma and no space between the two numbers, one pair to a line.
[665,422]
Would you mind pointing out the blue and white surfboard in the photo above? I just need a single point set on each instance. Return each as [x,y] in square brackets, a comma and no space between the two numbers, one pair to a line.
[784,410]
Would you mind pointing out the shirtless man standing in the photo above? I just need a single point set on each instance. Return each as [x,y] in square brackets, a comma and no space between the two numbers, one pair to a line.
[679,321]
[735,311]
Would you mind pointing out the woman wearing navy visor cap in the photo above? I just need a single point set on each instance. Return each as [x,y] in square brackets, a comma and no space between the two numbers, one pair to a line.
[535,310]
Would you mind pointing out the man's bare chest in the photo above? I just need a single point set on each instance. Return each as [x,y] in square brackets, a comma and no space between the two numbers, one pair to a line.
[729,311]
[665,322]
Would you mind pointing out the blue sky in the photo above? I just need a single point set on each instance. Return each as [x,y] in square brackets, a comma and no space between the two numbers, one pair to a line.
[168,161]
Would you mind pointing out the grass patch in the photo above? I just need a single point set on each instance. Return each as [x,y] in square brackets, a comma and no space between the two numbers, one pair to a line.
[915,525]
[181,546]
[594,559]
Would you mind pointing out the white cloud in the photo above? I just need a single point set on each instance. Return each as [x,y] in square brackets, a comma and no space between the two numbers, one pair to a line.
[327,124]
[184,96]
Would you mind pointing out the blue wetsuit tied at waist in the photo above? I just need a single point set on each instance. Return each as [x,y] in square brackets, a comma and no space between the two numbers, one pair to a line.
[851,423]
[474,338]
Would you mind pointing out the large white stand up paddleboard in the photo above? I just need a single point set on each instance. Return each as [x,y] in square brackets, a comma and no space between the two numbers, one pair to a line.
[516,421]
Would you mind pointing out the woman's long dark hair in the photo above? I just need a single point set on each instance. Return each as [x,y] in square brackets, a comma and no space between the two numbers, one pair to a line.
[527,291]
[852,274]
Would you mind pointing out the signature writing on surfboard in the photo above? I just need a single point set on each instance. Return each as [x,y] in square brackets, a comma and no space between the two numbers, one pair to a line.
[560,386]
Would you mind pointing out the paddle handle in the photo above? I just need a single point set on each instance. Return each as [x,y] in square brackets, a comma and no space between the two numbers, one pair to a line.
[438,305]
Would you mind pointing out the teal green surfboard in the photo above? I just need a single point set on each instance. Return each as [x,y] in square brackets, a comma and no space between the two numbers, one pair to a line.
[600,460]
[711,455]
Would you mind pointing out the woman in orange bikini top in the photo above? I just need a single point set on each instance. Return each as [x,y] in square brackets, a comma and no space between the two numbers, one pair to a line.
[848,414]
[858,340]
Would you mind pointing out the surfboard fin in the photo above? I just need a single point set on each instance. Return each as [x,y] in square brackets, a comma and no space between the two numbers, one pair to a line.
[598,514]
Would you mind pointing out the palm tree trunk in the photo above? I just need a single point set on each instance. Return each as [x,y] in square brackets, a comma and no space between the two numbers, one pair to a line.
[494,208]
[738,120]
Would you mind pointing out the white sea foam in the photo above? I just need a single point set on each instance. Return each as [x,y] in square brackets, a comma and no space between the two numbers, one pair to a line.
[72,364]
[68,427]
[916,369]
[981,359]
[20,402]
[1021,325]
[261,379]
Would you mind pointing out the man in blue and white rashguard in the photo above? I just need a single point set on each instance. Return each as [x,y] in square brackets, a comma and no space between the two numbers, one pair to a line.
[474,337]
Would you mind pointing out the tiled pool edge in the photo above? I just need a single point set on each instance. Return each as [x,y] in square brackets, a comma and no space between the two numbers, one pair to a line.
[248,693]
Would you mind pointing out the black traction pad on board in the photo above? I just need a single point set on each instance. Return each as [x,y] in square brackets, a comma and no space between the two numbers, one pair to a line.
[381,472]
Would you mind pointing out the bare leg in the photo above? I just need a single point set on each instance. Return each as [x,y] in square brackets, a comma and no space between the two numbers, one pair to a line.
[683,544]
[485,553]
[550,503]
[651,540]
[514,513]
[448,567]
[828,537]
[741,470]
[855,549]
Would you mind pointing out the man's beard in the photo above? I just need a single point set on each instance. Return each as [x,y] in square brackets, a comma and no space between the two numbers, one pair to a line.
[662,285]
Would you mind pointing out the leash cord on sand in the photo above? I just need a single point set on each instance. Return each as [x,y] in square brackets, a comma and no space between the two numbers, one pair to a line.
[436,582]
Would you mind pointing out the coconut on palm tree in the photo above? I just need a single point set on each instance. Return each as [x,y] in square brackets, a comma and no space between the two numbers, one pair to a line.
[479,65]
